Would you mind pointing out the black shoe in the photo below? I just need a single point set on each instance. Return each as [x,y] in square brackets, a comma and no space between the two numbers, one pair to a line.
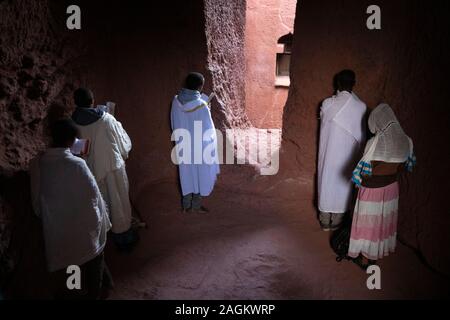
[372,262]
[335,227]
[126,241]
[358,261]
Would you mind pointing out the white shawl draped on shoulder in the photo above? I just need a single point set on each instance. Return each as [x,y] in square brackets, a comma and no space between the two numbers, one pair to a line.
[74,216]
[390,143]
[342,136]
[198,178]
[110,146]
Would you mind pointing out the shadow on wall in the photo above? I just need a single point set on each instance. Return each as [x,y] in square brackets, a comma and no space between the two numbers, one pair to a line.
[29,277]
[392,65]
[138,57]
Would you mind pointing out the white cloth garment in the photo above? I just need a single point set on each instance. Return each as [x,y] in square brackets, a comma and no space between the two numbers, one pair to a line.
[109,148]
[74,216]
[342,136]
[390,143]
[200,176]
[115,190]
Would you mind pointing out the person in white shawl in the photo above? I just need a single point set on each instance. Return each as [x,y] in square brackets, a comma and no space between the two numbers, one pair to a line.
[374,226]
[342,137]
[196,152]
[109,148]
[74,217]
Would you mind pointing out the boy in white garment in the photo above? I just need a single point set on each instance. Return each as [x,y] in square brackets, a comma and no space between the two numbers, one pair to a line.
[74,217]
[109,148]
[191,114]
[342,137]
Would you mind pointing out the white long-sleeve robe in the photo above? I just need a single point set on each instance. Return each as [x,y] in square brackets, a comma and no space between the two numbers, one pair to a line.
[342,136]
[74,216]
[194,177]
[109,148]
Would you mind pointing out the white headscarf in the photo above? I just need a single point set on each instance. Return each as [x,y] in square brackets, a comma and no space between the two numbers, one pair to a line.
[390,143]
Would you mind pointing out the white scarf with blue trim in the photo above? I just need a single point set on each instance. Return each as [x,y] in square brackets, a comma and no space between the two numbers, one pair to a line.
[390,144]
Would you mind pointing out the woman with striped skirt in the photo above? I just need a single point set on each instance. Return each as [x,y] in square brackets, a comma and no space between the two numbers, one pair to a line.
[374,227]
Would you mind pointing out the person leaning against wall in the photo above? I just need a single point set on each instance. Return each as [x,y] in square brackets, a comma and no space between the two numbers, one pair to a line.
[74,217]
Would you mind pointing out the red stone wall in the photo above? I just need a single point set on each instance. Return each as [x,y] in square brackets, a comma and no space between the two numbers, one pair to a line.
[266,22]
[224,27]
[406,65]
[36,81]
[33,76]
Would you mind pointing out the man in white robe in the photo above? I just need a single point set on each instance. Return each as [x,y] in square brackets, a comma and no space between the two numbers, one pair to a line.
[342,137]
[75,220]
[196,155]
[109,148]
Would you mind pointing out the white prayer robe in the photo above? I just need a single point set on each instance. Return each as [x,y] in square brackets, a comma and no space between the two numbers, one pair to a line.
[342,136]
[109,148]
[197,178]
[74,216]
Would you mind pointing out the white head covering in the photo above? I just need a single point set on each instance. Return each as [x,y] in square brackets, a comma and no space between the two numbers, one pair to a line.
[390,143]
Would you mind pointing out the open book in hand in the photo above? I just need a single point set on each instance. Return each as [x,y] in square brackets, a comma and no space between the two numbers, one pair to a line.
[110,107]
[80,147]
[209,98]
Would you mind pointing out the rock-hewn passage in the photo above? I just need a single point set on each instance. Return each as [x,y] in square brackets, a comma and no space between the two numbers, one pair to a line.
[261,239]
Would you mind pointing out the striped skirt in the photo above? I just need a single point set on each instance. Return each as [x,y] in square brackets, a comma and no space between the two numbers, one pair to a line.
[374,226]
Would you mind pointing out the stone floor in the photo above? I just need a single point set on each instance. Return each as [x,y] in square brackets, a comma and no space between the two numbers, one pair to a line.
[251,247]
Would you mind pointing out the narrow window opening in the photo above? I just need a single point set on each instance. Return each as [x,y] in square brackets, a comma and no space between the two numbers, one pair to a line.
[269,28]
[284,61]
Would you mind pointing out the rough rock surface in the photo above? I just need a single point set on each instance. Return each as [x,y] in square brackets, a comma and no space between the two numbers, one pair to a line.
[405,65]
[33,77]
[225,26]
[137,57]
[35,83]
